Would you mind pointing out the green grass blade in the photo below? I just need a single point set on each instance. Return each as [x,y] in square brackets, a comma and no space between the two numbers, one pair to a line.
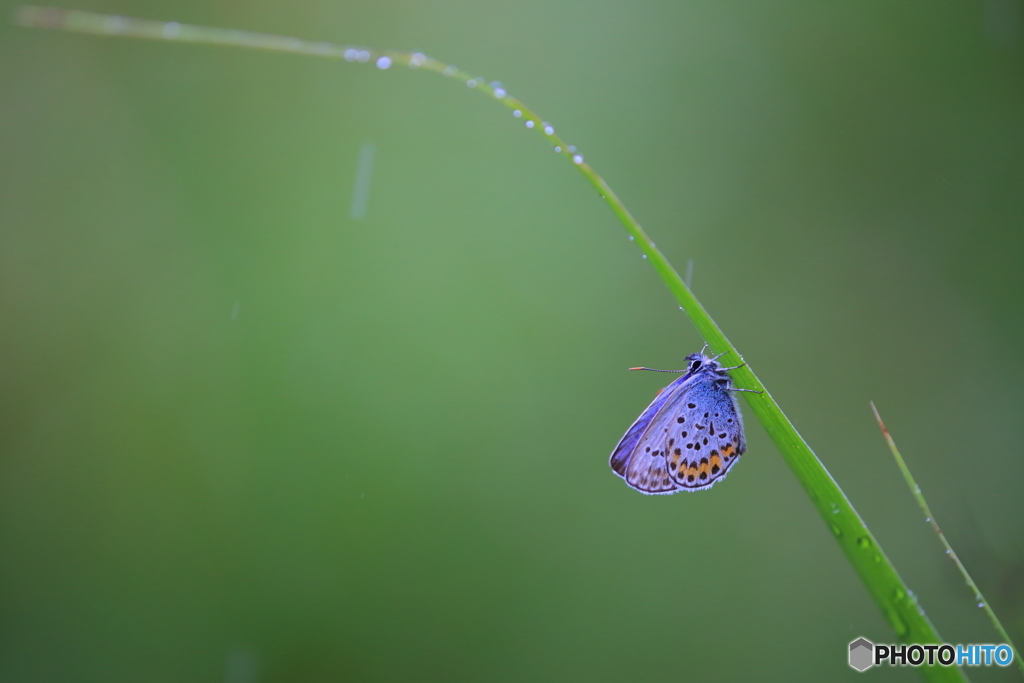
[930,518]
[884,584]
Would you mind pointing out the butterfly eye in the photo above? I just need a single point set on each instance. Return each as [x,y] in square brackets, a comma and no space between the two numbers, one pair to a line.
[695,366]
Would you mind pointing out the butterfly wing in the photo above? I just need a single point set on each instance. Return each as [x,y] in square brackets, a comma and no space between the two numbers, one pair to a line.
[705,435]
[688,438]
[635,459]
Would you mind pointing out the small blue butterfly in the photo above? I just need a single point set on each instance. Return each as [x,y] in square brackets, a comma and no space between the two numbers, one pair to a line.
[689,437]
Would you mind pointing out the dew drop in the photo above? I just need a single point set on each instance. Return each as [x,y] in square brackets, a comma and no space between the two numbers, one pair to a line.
[899,598]
[363,56]
[471,83]
[572,148]
[948,552]
[577,159]
[448,71]
[351,54]
[171,30]
[835,508]
[836,530]
[898,624]
[384,62]
[115,24]
[529,124]
[417,59]
[917,489]
[644,256]
[516,113]
[928,519]
[499,93]
[558,149]
[981,604]
[863,542]
[549,129]
[631,239]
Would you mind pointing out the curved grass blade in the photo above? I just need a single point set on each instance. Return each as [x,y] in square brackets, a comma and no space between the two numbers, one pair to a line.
[896,601]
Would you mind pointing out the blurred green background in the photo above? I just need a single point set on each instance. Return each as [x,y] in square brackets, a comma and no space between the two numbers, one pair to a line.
[247,437]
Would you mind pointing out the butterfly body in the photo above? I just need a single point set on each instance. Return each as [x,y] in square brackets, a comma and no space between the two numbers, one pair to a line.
[688,438]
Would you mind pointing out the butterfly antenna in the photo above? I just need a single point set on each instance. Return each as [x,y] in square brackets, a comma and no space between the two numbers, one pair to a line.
[704,349]
[656,370]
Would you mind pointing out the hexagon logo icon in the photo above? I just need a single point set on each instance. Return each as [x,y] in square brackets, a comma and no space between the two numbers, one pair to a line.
[861,654]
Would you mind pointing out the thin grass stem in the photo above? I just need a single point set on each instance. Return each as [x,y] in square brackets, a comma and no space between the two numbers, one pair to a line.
[915,490]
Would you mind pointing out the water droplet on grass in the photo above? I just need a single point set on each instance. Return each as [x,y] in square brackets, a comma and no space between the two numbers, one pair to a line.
[115,24]
[516,113]
[363,56]
[577,159]
[448,71]
[417,59]
[549,129]
[529,124]
[351,54]
[384,62]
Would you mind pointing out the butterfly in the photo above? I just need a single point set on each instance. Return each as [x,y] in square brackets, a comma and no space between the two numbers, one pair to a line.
[689,437]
